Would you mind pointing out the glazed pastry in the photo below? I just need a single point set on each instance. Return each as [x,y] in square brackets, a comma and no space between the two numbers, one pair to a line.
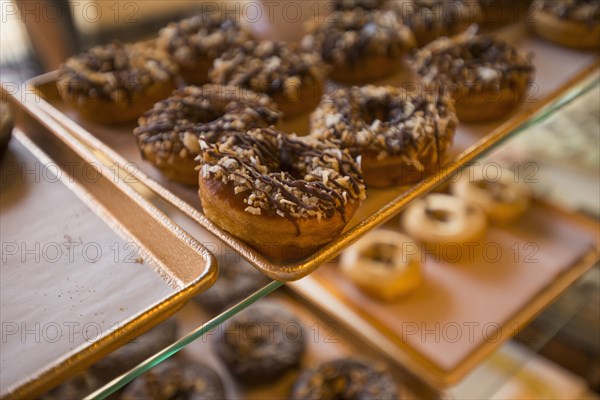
[445,224]
[384,264]
[293,78]
[501,12]
[194,43]
[261,343]
[131,354]
[340,5]
[430,19]
[168,134]
[6,126]
[117,82]
[237,279]
[486,77]
[400,135]
[495,191]
[283,195]
[174,380]
[361,45]
[345,379]
[572,23]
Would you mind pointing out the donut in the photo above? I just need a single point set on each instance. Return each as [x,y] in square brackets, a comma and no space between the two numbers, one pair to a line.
[6,126]
[116,83]
[176,379]
[494,190]
[194,43]
[501,12]
[134,352]
[445,224]
[340,5]
[167,135]
[345,379]
[293,78]
[283,195]
[237,279]
[361,45]
[430,19]
[261,343]
[486,77]
[385,264]
[401,135]
[571,23]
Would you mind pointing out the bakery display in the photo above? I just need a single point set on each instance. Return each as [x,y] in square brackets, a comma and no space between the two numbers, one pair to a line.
[361,45]
[430,19]
[345,379]
[286,196]
[385,264]
[401,135]
[176,379]
[572,23]
[116,83]
[237,279]
[486,77]
[293,78]
[261,343]
[168,134]
[134,352]
[495,190]
[194,43]
[6,126]
[445,224]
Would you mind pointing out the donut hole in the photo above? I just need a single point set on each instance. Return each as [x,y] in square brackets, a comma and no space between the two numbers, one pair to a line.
[373,110]
[438,215]
[382,253]
[497,190]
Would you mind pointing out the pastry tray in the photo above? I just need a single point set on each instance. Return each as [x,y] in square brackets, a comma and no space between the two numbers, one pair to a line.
[466,310]
[558,70]
[87,263]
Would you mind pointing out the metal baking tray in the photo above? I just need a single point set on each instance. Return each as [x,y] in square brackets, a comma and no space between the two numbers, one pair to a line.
[558,70]
[462,313]
[142,269]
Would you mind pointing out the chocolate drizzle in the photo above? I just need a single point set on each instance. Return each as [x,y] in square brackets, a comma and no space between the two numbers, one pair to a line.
[175,124]
[386,121]
[586,11]
[443,16]
[281,174]
[346,37]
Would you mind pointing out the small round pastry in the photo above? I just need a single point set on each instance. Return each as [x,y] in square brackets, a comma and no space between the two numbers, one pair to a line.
[385,264]
[117,82]
[430,19]
[174,379]
[486,77]
[340,5]
[6,127]
[502,12]
[361,45]
[132,353]
[283,195]
[168,134]
[293,78]
[237,279]
[401,135]
[495,191]
[261,343]
[572,23]
[194,43]
[345,379]
[445,224]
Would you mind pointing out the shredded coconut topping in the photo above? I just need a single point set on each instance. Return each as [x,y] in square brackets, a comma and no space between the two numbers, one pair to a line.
[280,174]
[116,71]
[387,121]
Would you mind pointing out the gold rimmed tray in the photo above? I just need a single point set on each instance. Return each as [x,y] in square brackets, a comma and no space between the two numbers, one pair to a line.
[467,309]
[87,263]
[558,70]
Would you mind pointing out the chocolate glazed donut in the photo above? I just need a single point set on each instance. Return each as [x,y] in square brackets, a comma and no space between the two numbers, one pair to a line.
[283,195]
[168,134]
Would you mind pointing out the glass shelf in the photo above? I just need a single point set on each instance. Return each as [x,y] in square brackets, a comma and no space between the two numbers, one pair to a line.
[203,328]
